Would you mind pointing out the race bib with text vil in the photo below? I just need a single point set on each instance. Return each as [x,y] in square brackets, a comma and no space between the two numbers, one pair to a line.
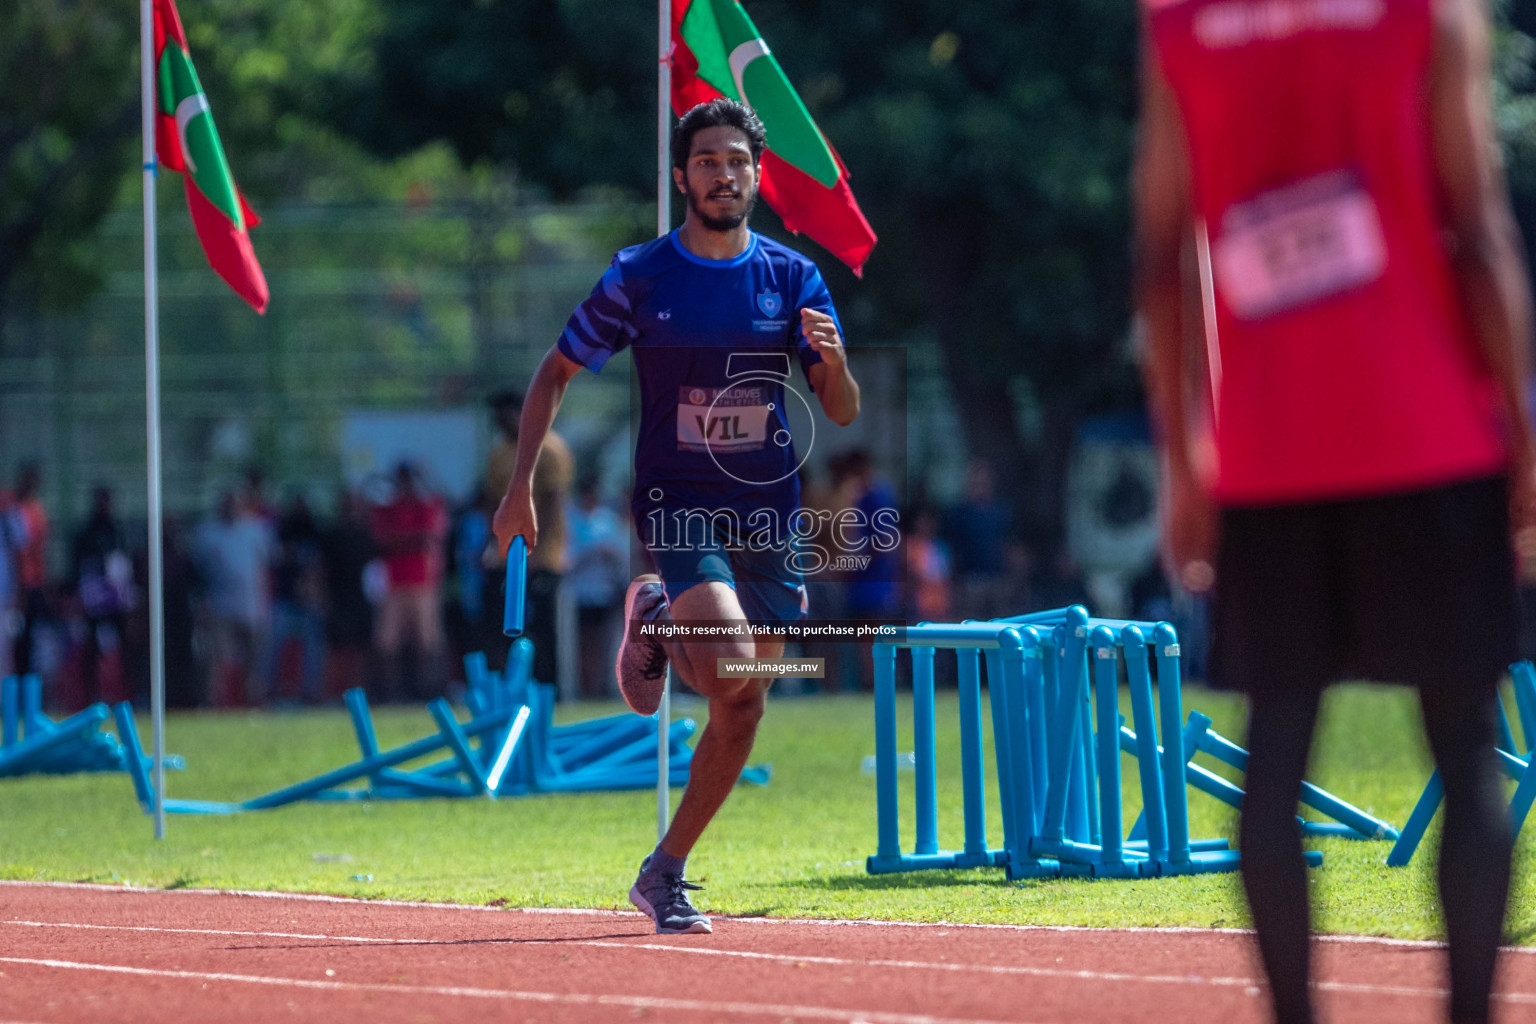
[1296,244]
[730,419]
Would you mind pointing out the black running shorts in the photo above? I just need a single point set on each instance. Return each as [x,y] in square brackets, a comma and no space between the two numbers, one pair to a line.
[1415,587]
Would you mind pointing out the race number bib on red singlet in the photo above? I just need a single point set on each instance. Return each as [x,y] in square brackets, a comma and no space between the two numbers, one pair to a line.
[1296,244]
[730,419]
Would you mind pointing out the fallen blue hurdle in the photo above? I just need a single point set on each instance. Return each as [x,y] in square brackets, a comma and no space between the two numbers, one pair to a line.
[1515,765]
[33,743]
[326,785]
[510,746]
[1349,821]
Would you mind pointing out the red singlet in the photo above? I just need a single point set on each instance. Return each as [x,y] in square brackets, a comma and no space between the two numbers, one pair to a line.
[1348,366]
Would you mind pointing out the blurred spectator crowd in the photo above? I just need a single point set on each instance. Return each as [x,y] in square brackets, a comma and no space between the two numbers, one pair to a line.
[277,604]
[388,588]
[288,604]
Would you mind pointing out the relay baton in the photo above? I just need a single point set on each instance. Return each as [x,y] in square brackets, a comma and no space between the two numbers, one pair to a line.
[517,584]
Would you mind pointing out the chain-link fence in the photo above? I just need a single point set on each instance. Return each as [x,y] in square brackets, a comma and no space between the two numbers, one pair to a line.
[373,308]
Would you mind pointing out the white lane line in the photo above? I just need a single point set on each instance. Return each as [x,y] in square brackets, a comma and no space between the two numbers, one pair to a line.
[1249,985]
[202,931]
[780,1010]
[1003,969]
[311,897]
[929,965]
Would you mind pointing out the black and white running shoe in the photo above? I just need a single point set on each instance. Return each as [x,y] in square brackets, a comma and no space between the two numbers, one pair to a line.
[664,898]
[641,667]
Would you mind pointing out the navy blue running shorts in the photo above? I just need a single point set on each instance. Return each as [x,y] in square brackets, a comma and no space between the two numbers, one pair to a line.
[771,591]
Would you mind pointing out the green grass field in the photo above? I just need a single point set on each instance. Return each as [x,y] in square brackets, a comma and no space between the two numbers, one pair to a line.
[793,848]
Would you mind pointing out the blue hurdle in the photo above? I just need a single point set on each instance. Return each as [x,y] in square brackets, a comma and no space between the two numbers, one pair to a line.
[1075,642]
[1054,682]
[33,743]
[1349,822]
[615,752]
[1515,765]
[1004,649]
[1058,791]
[323,786]
[510,746]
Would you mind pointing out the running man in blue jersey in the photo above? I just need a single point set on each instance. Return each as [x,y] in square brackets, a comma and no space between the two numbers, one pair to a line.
[715,316]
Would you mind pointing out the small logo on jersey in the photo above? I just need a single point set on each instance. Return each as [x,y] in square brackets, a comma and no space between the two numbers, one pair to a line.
[665,314]
[769,303]
[697,396]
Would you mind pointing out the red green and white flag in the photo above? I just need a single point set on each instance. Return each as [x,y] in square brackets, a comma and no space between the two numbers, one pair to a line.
[187,142]
[716,51]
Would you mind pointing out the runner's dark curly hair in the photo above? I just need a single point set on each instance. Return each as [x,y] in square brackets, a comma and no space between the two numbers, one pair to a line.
[720,112]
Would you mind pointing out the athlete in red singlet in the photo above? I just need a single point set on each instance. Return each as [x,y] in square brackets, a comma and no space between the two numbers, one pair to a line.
[1325,174]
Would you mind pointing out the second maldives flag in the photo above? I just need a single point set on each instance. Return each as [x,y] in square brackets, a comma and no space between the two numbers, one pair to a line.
[716,51]
[186,142]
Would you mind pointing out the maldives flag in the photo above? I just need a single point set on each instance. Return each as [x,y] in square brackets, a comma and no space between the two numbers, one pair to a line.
[716,51]
[187,142]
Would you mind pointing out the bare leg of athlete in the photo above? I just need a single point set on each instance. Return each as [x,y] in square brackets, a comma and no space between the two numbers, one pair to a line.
[735,708]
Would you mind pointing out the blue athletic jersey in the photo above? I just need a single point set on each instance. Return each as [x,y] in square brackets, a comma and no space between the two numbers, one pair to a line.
[713,344]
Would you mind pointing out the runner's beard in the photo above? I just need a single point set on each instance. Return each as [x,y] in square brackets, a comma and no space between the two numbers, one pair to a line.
[730,223]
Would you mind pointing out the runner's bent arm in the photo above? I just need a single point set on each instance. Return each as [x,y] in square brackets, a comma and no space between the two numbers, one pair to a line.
[515,516]
[1486,257]
[1160,192]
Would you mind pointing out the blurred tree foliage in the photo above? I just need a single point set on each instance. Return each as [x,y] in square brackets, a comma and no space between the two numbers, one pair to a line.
[69,123]
[559,89]
[1515,104]
[68,119]
[989,144]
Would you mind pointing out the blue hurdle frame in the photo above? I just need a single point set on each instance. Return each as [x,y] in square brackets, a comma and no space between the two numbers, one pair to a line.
[1515,765]
[509,747]
[1005,653]
[31,742]
[1076,641]
[1054,682]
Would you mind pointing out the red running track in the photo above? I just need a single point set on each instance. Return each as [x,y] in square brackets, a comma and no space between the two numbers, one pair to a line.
[72,954]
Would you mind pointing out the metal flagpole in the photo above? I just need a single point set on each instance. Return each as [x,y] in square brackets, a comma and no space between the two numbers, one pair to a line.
[663,117]
[152,414]
[663,225]
[663,759]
